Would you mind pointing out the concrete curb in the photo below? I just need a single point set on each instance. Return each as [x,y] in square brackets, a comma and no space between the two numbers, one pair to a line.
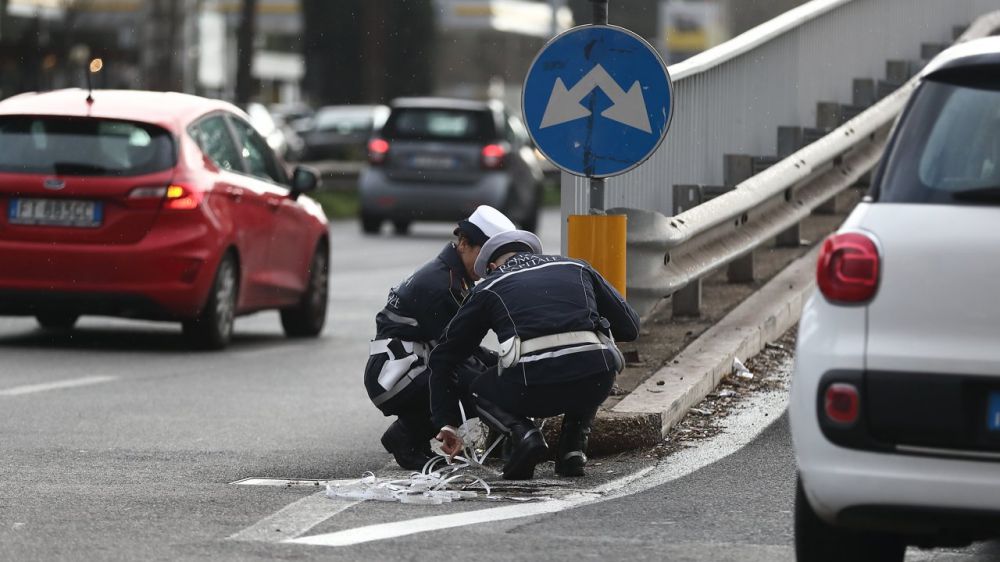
[645,416]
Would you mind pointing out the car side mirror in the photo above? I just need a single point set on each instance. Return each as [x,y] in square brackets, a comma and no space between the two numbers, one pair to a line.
[304,180]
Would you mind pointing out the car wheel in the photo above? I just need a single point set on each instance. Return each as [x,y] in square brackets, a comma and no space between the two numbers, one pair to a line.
[370,224]
[308,317]
[401,227]
[818,541]
[213,328]
[57,321]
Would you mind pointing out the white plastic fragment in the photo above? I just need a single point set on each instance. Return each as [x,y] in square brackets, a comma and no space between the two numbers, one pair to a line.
[740,370]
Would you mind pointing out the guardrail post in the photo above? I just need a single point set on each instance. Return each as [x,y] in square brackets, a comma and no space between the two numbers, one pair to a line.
[864,92]
[789,141]
[687,301]
[828,115]
[736,169]
[686,197]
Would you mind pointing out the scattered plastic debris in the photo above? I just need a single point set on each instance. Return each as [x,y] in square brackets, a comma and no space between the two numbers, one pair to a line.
[740,370]
[442,480]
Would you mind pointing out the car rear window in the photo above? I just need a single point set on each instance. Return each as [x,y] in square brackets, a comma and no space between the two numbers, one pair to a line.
[83,147]
[440,124]
[947,148]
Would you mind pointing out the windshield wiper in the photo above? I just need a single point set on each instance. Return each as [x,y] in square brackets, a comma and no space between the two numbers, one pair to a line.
[980,194]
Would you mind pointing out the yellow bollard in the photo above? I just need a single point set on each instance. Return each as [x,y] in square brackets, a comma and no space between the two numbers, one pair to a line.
[600,241]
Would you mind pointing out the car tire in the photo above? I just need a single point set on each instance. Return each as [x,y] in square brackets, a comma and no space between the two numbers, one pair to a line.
[818,541]
[57,321]
[213,328]
[370,224]
[306,320]
[401,227]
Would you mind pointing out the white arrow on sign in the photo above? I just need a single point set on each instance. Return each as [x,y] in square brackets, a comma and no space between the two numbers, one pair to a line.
[629,108]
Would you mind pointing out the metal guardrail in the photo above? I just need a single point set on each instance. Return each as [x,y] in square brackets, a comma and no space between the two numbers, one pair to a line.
[670,255]
[732,98]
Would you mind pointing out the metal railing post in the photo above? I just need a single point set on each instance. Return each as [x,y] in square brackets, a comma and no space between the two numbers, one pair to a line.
[738,168]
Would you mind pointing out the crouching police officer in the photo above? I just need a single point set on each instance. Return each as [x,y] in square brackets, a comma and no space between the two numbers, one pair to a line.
[554,318]
[407,328]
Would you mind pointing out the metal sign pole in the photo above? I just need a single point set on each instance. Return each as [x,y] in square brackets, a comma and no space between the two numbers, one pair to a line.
[597,185]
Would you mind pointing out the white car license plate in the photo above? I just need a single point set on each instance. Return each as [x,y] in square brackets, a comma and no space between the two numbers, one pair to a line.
[433,162]
[56,212]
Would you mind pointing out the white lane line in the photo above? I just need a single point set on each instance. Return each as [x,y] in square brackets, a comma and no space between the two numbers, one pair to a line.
[294,520]
[296,483]
[58,385]
[438,522]
[739,430]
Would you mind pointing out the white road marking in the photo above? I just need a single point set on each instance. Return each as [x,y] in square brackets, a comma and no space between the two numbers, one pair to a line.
[58,385]
[739,430]
[294,520]
[296,483]
[424,524]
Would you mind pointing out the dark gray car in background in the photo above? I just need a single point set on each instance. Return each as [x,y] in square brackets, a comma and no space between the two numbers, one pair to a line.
[437,159]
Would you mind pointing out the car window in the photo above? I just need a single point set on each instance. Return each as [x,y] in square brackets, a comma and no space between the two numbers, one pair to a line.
[440,124]
[947,148]
[213,137]
[83,147]
[259,159]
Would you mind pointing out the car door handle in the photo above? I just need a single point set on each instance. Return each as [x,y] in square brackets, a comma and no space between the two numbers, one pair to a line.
[234,192]
[274,204]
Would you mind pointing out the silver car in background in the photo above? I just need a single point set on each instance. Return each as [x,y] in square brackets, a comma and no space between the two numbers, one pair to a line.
[437,159]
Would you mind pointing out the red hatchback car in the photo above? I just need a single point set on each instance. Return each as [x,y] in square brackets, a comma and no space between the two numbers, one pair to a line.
[158,206]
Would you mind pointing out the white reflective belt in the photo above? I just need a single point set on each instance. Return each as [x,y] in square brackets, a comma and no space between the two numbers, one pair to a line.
[558,340]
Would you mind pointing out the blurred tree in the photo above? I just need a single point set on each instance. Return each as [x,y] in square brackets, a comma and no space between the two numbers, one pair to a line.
[245,52]
[367,50]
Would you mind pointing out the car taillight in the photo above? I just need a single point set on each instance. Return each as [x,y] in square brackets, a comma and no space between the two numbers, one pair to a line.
[378,151]
[842,403]
[493,156]
[848,268]
[179,198]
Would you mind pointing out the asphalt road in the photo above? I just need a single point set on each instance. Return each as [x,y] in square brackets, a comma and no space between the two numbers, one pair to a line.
[120,444]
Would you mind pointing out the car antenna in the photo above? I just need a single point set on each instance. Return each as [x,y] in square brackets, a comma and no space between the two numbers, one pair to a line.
[95,66]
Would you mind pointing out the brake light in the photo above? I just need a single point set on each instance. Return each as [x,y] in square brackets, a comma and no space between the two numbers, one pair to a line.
[378,151]
[493,156]
[848,268]
[180,198]
[842,403]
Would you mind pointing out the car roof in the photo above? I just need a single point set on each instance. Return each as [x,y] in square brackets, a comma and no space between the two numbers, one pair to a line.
[170,110]
[977,52]
[446,103]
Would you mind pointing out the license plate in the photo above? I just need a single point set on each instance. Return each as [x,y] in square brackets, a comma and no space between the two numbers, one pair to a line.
[433,162]
[56,212]
[993,412]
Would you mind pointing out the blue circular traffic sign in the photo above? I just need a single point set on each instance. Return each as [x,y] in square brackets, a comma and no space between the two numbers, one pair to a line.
[597,100]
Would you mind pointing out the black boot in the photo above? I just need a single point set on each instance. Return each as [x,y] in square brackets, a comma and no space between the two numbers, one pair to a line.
[571,455]
[410,451]
[529,446]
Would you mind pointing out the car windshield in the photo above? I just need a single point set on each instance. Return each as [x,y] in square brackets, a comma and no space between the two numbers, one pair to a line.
[947,149]
[440,124]
[83,147]
[344,121]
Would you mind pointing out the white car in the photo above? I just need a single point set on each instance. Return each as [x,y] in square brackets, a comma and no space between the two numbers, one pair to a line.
[895,402]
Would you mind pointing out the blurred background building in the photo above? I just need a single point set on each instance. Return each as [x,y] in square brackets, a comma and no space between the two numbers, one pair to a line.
[329,51]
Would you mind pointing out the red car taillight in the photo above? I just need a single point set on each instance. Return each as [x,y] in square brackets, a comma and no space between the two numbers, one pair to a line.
[181,198]
[378,151]
[842,403]
[848,268]
[493,156]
